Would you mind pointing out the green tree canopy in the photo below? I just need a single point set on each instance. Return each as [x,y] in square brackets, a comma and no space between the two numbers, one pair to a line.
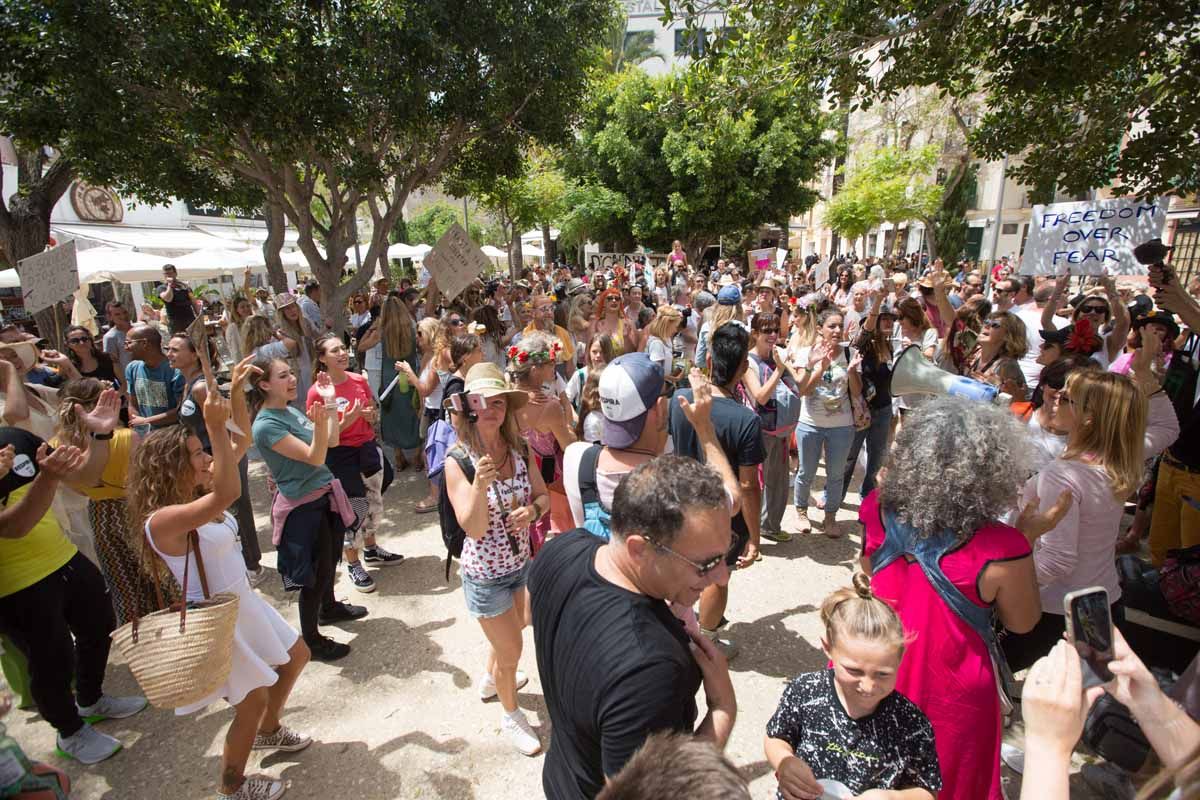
[434,219]
[889,185]
[1087,93]
[237,103]
[650,167]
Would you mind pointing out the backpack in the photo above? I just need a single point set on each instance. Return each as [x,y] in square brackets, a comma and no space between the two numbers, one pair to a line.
[453,534]
[595,516]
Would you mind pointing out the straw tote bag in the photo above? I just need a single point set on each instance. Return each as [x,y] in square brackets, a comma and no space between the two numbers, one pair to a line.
[182,654]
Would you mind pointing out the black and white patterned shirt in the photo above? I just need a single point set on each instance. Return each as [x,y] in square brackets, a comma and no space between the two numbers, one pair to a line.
[891,748]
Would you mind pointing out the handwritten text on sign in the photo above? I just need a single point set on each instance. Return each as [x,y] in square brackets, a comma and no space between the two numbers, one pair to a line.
[48,277]
[455,261]
[1090,238]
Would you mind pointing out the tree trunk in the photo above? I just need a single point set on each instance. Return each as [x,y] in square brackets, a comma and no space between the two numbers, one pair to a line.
[516,261]
[276,229]
[25,224]
[930,240]
[549,246]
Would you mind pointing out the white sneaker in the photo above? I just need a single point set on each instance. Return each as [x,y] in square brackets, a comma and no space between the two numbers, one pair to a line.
[487,685]
[521,733]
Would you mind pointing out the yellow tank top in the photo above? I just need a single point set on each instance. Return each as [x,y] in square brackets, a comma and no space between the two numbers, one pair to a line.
[112,480]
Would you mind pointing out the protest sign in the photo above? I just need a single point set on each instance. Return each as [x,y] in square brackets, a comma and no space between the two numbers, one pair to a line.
[606,261]
[761,259]
[1091,238]
[455,262]
[48,277]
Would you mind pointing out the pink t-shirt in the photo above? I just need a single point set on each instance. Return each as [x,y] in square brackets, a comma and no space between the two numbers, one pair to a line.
[946,668]
[355,387]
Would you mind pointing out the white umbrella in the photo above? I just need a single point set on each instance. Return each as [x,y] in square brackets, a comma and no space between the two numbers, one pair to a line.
[216,260]
[9,279]
[493,252]
[100,264]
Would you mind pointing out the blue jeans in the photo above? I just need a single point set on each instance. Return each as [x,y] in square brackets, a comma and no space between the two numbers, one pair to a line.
[876,438]
[836,441]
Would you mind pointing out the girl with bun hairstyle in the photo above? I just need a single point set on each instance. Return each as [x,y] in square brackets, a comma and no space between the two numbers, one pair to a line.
[846,726]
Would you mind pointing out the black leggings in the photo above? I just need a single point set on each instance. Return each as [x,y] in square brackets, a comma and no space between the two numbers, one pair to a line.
[42,619]
[328,551]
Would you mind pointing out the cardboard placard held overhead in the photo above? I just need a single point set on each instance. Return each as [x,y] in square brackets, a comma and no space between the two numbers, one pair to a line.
[1091,238]
[455,262]
[48,277]
[761,259]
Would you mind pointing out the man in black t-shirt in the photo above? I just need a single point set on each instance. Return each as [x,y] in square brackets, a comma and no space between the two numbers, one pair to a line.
[177,299]
[615,664]
[739,431]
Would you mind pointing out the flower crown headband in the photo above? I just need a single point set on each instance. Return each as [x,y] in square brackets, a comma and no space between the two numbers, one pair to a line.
[523,357]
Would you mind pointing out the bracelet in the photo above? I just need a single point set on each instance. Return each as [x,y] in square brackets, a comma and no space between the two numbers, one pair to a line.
[102,436]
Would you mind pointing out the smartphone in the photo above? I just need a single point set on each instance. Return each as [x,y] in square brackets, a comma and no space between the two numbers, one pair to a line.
[465,401]
[1090,631]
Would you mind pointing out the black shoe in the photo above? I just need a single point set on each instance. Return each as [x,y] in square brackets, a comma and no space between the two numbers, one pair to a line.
[380,557]
[340,612]
[326,649]
[722,623]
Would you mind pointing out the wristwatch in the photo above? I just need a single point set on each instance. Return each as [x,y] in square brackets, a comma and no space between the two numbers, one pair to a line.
[102,436]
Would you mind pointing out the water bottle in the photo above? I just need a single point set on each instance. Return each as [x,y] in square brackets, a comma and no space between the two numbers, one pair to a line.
[401,382]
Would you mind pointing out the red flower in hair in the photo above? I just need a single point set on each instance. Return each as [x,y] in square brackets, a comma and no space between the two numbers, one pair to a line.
[512,352]
[522,357]
[1083,339]
[554,348]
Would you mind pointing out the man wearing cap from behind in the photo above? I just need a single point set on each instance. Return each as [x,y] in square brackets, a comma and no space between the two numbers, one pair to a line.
[635,431]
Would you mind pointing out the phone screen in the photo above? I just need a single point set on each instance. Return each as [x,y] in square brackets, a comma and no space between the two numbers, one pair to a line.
[1091,631]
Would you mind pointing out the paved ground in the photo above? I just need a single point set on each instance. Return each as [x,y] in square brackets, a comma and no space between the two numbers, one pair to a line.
[399,718]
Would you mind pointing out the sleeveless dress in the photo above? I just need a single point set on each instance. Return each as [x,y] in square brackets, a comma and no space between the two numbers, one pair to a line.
[946,669]
[491,556]
[261,638]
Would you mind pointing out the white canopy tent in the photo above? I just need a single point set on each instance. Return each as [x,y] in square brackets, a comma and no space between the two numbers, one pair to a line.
[101,264]
[493,252]
[415,252]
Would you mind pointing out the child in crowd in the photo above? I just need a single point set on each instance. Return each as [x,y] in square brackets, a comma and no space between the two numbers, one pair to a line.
[847,725]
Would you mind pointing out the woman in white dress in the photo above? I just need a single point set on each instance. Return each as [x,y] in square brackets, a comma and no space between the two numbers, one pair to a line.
[170,468]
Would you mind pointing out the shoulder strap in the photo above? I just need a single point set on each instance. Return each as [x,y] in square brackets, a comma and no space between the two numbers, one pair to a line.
[588,492]
[900,539]
[464,462]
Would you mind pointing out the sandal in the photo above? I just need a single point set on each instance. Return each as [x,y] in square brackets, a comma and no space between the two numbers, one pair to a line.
[421,507]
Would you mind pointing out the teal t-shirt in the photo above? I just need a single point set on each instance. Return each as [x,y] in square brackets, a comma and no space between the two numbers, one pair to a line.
[294,478]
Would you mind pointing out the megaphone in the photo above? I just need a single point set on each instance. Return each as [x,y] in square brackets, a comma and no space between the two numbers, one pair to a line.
[913,374]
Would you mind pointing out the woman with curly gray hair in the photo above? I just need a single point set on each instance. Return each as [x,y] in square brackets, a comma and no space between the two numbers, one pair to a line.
[943,561]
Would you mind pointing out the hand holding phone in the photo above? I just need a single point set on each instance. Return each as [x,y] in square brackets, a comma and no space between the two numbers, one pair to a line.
[1090,631]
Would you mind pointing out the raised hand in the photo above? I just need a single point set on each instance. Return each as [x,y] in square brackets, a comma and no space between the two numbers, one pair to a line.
[106,414]
[216,411]
[324,385]
[699,409]
[1034,523]
[243,370]
[485,474]
[60,462]
[7,454]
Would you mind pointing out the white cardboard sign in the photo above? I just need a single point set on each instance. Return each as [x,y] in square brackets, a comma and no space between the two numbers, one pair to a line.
[48,277]
[1091,238]
[455,261]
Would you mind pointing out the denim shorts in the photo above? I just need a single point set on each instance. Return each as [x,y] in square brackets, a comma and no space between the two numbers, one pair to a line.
[491,597]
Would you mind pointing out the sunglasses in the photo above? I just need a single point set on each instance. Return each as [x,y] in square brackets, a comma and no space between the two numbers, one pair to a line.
[769,331]
[1093,309]
[455,323]
[701,567]
[79,340]
[993,323]
[1003,291]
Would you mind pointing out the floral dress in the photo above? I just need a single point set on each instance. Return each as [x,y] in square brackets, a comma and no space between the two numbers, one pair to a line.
[501,551]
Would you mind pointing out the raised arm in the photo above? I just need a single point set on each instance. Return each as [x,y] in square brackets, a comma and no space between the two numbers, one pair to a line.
[699,414]
[18,520]
[170,525]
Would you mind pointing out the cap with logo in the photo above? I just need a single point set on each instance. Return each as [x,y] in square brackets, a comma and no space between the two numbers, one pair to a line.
[629,387]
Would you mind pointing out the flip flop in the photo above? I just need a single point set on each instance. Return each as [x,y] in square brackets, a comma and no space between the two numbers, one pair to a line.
[421,508]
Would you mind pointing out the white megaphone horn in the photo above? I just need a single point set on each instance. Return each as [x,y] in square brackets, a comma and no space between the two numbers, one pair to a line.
[913,374]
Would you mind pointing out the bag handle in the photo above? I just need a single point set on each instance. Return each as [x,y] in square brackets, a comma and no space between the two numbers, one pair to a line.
[193,544]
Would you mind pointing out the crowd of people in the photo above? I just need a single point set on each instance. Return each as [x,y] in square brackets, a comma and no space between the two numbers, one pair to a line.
[605,450]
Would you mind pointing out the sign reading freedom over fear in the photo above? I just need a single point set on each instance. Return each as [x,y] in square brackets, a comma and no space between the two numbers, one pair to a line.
[455,261]
[1091,238]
